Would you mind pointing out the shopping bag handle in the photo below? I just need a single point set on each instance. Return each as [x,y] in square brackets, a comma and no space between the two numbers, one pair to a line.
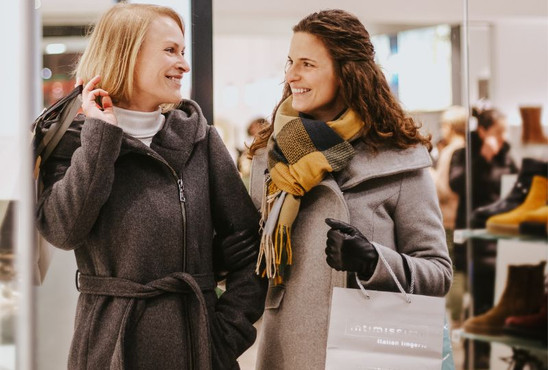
[385,262]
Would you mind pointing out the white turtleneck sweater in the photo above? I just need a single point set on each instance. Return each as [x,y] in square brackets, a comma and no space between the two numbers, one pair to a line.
[140,125]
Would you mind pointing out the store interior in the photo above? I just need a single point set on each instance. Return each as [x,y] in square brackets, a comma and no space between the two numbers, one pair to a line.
[434,55]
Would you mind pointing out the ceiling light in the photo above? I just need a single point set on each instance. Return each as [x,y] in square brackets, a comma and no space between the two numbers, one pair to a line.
[56,48]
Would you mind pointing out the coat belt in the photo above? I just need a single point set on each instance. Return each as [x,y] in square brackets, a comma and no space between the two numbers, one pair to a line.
[175,283]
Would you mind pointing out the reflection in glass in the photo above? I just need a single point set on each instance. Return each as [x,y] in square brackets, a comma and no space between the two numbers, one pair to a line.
[508,70]
[8,291]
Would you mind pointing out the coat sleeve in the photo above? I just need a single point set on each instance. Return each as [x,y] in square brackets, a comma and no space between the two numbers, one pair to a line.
[243,301]
[421,260]
[77,182]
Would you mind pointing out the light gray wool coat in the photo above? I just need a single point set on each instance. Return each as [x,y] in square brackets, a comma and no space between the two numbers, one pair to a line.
[144,245]
[390,197]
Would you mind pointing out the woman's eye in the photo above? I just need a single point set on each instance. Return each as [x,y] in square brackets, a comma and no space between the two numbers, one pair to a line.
[306,64]
[288,64]
[170,50]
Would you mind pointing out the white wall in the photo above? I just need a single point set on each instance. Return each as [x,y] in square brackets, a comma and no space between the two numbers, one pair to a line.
[513,54]
[248,73]
[479,56]
[520,66]
[56,302]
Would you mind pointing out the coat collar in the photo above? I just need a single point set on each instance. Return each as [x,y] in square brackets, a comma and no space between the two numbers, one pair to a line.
[183,128]
[366,165]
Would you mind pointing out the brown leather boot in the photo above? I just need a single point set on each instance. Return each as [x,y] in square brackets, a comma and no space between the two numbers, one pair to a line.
[522,296]
[531,126]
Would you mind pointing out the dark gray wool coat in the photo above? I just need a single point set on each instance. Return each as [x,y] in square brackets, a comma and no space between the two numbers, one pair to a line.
[141,222]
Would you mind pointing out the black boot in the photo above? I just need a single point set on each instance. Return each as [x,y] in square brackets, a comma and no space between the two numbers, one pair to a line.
[529,167]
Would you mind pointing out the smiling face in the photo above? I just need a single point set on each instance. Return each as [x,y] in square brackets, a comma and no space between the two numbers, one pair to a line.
[497,131]
[160,67]
[310,73]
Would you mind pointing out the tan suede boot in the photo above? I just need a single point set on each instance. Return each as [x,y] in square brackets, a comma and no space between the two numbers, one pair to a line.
[535,222]
[522,296]
[508,223]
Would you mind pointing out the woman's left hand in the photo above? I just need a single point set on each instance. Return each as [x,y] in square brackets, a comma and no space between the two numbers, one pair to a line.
[349,250]
[238,249]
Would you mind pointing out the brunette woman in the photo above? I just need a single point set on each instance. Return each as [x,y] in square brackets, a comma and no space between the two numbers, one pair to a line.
[341,162]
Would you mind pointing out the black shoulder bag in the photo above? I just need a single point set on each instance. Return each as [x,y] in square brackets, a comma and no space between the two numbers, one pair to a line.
[49,128]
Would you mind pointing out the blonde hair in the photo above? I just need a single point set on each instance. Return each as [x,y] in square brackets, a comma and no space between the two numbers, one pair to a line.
[456,117]
[114,45]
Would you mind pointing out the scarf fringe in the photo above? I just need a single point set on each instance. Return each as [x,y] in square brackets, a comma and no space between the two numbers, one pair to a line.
[266,250]
[277,255]
[275,252]
[270,194]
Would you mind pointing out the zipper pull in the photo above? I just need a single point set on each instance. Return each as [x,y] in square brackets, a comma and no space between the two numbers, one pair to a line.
[182,198]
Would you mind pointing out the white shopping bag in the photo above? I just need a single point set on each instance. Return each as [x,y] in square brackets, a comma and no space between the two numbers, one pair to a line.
[375,330]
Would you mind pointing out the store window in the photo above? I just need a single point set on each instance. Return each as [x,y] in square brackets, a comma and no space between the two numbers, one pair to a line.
[418,60]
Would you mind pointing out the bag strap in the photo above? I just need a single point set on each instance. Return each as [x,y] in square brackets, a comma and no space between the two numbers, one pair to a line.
[52,137]
[394,277]
[54,134]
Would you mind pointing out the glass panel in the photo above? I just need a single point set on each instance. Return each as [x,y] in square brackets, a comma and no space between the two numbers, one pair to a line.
[508,73]
[18,104]
[8,286]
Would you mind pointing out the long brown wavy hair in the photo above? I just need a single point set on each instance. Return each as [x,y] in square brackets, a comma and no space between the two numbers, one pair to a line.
[363,85]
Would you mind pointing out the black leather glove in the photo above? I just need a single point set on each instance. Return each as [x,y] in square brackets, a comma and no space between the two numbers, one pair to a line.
[236,250]
[348,250]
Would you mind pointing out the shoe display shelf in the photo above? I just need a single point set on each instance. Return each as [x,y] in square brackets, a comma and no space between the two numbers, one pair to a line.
[524,351]
[519,352]
[511,250]
[460,236]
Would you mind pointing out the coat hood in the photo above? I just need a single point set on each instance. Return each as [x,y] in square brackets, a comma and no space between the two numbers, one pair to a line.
[184,126]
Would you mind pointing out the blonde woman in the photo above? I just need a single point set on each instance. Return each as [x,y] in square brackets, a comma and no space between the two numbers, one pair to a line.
[150,201]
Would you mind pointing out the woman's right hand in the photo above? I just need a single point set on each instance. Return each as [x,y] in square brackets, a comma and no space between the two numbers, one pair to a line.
[90,97]
[490,148]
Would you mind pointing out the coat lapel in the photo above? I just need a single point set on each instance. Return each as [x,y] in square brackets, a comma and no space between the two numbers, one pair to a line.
[338,278]
[366,165]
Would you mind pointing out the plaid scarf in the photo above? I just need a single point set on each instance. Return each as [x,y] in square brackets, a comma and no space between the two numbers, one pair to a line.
[301,152]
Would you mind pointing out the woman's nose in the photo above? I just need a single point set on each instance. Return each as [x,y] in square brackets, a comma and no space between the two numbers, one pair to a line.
[183,65]
[291,74]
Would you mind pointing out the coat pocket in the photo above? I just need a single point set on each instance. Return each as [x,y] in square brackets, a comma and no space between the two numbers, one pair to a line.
[274,297]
